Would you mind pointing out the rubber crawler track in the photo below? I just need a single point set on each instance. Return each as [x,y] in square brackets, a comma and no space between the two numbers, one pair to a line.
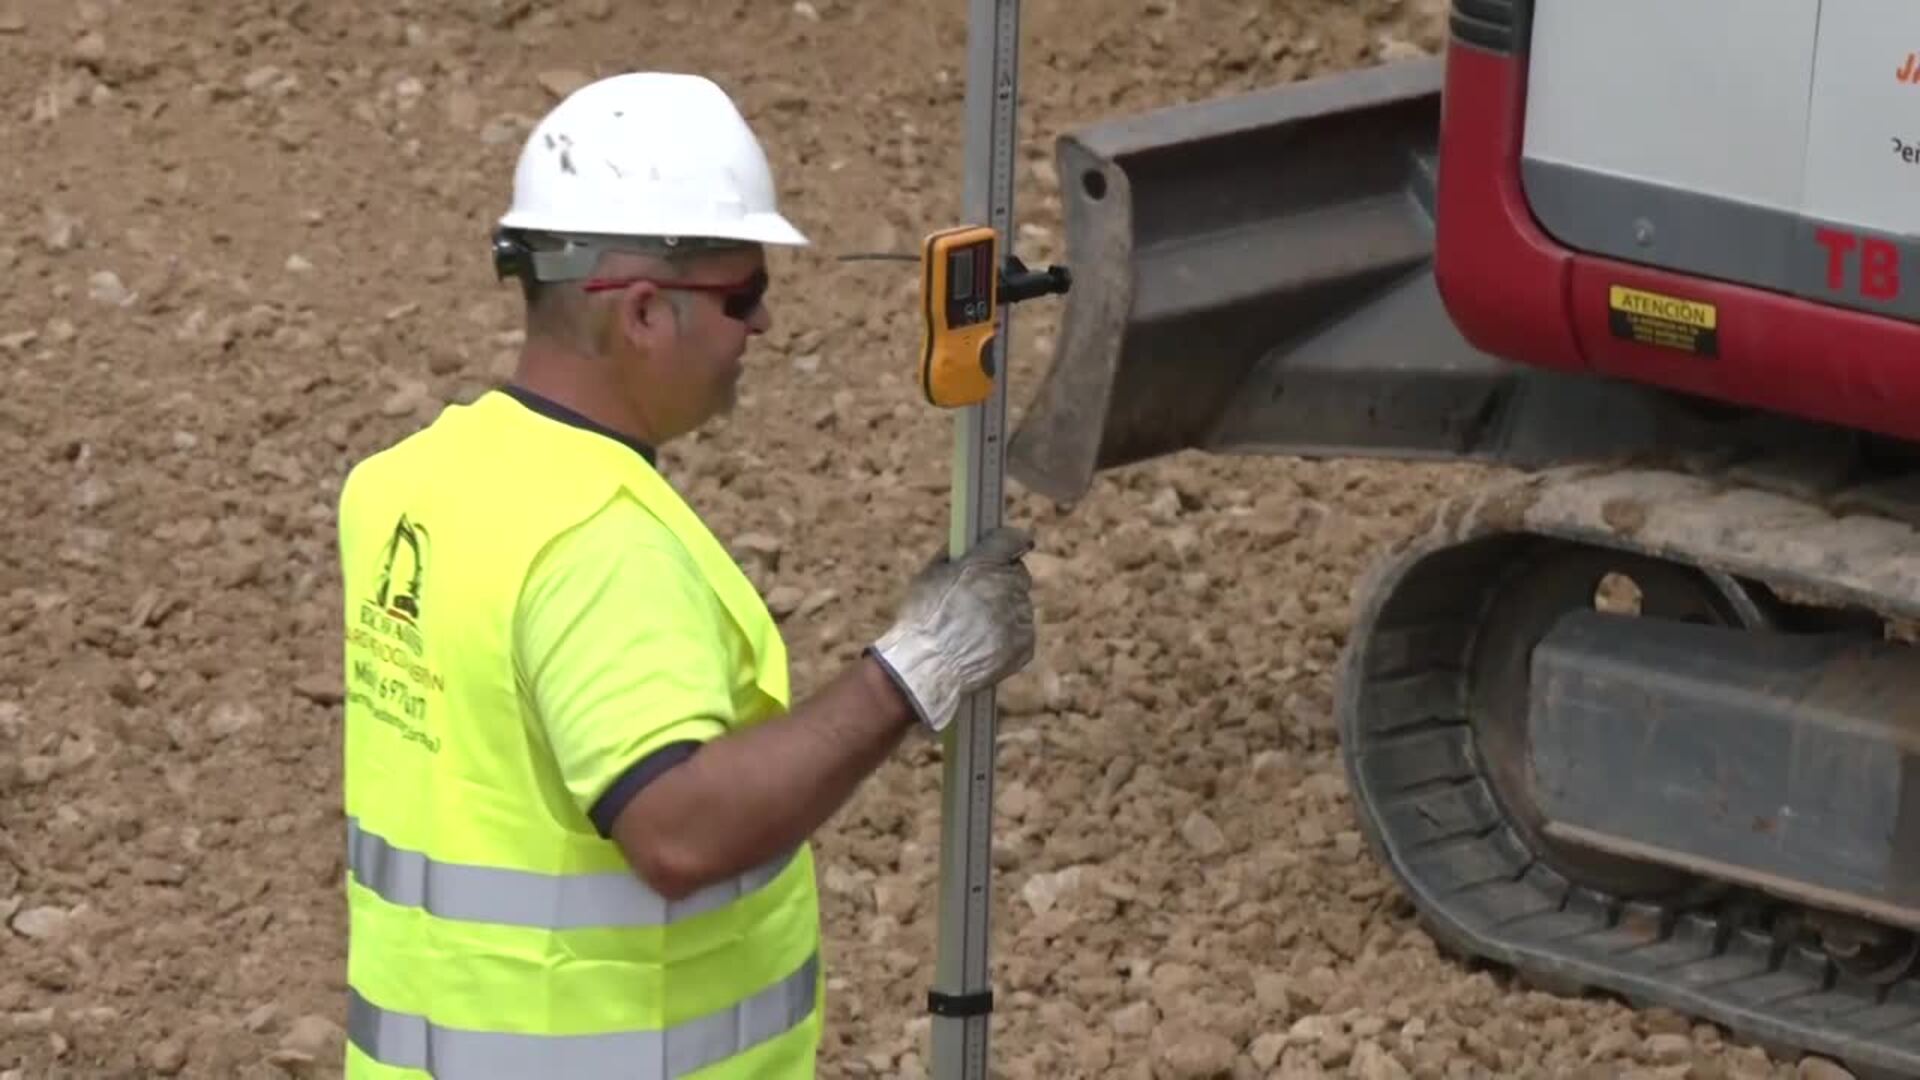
[1433,820]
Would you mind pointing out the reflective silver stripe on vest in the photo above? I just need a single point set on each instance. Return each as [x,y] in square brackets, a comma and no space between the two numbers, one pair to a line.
[524,898]
[411,1042]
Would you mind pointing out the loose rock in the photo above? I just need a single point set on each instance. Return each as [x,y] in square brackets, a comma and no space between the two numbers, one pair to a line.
[1266,1049]
[1371,1062]
[1202,835]
[168,1056]
[315,1037]
[229,718]
[1668,1048]
[1819,1068]
[784,600]
[106,287]
[1134,1019]
[1192,1053]
[561,83]
[41,923]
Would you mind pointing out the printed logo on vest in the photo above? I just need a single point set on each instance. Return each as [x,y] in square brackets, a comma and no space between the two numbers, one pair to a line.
[388,675]
[404,603]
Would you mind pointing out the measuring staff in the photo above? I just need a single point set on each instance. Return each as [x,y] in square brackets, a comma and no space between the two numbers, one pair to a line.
[962,369]
[578,815]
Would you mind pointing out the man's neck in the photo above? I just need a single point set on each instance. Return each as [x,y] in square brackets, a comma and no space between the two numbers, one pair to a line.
[577,383]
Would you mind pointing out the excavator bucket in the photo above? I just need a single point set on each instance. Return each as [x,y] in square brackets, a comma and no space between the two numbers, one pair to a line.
[1250,274]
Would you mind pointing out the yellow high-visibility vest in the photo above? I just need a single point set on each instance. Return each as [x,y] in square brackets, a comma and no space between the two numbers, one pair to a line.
[493,931]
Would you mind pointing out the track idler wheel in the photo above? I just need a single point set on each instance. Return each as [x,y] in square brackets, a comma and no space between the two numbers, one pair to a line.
[1548,583]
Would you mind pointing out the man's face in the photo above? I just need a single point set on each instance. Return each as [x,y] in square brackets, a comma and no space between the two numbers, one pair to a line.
[691,356]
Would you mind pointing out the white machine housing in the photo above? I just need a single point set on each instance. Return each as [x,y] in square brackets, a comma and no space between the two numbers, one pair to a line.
[1768,142]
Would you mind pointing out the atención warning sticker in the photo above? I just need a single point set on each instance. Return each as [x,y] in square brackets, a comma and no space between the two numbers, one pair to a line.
[1666,321]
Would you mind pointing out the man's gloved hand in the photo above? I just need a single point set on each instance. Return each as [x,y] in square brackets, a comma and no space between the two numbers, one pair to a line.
[965,626]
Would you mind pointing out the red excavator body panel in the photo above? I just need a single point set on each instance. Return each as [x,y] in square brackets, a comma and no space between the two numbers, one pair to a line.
[1515,292]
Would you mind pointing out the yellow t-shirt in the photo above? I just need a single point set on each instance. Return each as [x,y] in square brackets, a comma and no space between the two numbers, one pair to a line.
[623,650]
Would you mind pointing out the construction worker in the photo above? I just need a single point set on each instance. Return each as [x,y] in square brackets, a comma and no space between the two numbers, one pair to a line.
[578,796]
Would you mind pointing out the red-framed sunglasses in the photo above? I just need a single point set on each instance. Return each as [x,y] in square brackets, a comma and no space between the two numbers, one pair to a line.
[739,299]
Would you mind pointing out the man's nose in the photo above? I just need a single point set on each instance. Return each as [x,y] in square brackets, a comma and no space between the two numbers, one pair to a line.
[761,320]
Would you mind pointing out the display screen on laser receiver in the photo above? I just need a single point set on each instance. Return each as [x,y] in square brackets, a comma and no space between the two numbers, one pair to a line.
[969,292]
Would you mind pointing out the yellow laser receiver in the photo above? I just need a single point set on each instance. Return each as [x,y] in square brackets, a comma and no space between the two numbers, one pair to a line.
[960,298]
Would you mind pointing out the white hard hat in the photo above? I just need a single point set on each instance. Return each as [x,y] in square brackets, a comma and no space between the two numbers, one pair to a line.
[651,154]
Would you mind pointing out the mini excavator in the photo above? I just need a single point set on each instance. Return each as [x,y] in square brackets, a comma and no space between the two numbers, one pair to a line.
[1639,716]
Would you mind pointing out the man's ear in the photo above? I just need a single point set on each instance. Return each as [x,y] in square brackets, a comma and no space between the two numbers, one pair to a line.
[643,313]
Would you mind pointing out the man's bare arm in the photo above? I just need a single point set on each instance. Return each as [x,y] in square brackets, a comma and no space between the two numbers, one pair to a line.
[747,796]
[750,795]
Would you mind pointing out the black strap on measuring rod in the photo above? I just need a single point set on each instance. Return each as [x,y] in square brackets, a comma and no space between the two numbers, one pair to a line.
[975,1004]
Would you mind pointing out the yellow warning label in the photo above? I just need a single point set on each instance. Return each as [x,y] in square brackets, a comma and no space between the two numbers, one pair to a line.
[1669,322]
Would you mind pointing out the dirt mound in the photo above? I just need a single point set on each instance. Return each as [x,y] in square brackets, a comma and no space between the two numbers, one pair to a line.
[243,245]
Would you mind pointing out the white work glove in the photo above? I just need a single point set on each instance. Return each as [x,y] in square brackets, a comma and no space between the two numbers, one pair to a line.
[965,626]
